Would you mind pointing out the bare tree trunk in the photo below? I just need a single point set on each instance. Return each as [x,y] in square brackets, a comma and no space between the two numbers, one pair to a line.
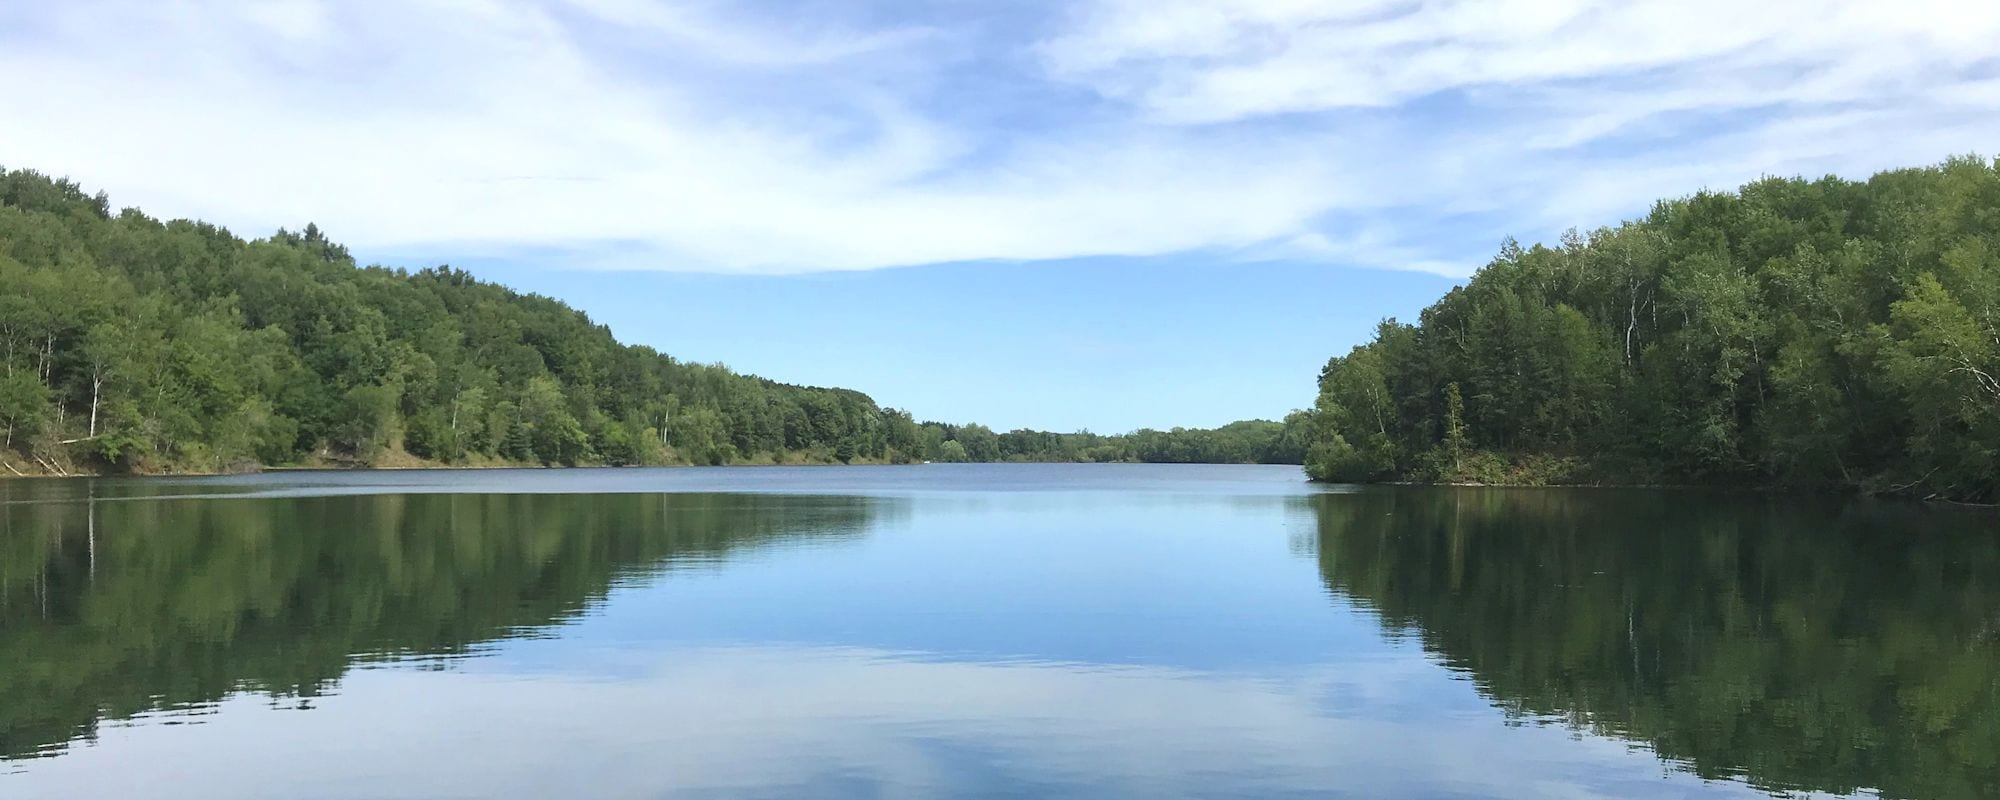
[1632,327]
[96,391]
[1985,380]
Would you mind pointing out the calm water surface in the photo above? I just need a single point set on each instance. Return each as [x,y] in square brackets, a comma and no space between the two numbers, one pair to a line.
[967,631]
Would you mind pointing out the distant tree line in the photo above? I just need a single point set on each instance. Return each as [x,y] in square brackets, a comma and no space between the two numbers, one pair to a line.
[1824,333]
[132,344]
[1243,442]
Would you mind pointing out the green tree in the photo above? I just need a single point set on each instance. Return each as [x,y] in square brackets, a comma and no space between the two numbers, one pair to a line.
[1822,333]
[556,436]
[979,442]
[1455,441]
[24,406]
[367,420]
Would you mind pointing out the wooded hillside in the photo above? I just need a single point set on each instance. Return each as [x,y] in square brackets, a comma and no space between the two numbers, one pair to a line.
[1823,333]
[132,344]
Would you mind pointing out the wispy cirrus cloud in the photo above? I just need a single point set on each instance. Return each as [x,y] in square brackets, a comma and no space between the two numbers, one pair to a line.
[1221,60]
[772,137]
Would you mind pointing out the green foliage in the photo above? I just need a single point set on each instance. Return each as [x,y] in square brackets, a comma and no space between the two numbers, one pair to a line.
[555,436]
[1455,443]
[1334,459]
[1820,333]
[366,420]
[130,343]
[699,435]
[1242,442]
[24,405]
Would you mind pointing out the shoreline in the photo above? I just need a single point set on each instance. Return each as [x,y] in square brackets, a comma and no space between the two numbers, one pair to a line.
[439,467]
[1846,492]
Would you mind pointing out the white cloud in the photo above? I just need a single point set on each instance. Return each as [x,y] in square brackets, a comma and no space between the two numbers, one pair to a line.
[475,126]
[762,721]
[639,134]
[1219,60]
[687,27]
[1543,114]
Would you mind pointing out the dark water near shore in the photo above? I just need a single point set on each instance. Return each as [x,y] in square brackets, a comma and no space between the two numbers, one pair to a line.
[967,631]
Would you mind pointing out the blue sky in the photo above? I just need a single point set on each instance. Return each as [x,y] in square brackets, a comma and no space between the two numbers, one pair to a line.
[1107,344]
[1102,213]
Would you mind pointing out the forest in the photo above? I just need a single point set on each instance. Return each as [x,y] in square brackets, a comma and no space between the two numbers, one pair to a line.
[133,345]
[1813,334]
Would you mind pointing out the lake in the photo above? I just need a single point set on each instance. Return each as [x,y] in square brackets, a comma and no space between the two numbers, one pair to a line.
[984,631]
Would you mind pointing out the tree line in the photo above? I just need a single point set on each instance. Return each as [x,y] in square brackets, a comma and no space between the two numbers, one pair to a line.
[1825,333]
[136,345]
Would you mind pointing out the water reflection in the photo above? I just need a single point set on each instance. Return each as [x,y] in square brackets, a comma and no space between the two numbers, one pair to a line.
[1159,642]
[1800,645]
[114,608]
[771,721]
